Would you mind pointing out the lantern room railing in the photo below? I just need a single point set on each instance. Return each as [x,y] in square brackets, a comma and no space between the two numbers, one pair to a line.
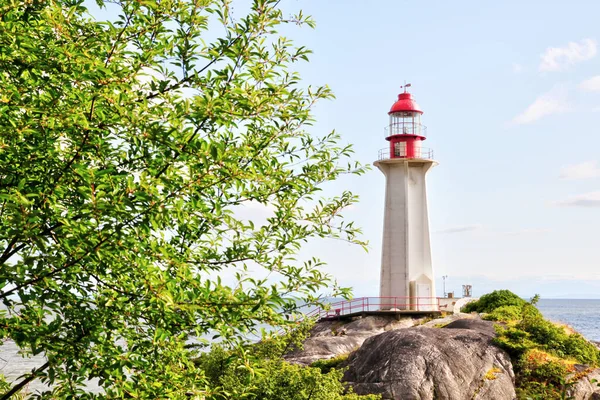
[420,153]
[405,128]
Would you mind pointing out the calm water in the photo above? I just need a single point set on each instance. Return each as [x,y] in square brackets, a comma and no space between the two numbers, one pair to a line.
[582,315]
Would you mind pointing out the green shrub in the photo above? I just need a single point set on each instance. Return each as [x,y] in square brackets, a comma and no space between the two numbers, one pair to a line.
[530,311]
[491,301]
[543,353]
[533,390]
[269,377]
[542,376]
[579,348]
[535,365]
[332,363]
[556,340]
[505,313]
[545,333]
[532,330]
[515,341]
[6,386]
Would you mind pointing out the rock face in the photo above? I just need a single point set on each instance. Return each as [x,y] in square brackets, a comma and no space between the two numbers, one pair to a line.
[456,362]
[332,338]
[585,388]
[481,326]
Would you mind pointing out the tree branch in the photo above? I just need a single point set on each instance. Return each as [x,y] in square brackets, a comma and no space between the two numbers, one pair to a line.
[19,386]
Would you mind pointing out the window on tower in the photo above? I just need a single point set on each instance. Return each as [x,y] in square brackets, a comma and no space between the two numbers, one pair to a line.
[400,149]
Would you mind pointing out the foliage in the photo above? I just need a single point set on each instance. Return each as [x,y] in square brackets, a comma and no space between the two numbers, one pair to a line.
[505,313]
[331,363]
[490,375]
[533,331]
[277,380]
[542,376]
[131,152]
[543,352]
[556,340]
[511,314]
[491,301]
[515,341]
[270,377]
[5,386]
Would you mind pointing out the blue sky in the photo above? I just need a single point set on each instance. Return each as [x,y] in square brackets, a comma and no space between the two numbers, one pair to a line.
[511,94]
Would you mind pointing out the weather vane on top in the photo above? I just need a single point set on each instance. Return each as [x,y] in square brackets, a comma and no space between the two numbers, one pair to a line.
[406,85]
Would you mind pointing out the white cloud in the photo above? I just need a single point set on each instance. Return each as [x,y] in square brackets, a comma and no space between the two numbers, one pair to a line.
[460,229]
[583,200]
[529,231]
[552,102]
[584,170]
[560,58]
[591,85]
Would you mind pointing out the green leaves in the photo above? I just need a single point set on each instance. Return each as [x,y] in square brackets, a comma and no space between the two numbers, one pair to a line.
[130,153]
[268,376]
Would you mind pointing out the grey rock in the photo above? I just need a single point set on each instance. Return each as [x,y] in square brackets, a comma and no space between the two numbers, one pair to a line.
[441,322]
[479,325]
[329,339]
[585,388]
[420,363]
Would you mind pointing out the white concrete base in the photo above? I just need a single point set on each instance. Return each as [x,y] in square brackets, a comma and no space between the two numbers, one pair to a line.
[454,305]
[406,269]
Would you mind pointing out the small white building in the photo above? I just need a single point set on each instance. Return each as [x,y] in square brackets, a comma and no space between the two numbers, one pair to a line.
[406,270]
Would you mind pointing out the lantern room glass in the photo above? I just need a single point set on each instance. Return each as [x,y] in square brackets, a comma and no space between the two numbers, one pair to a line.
[405,123]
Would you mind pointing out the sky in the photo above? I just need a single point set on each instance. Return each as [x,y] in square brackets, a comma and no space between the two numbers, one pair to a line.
[511,97]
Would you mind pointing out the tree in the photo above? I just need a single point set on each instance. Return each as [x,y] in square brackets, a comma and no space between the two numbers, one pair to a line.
[128,148]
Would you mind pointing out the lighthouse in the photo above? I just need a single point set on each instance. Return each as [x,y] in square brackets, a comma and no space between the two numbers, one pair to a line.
[406,270]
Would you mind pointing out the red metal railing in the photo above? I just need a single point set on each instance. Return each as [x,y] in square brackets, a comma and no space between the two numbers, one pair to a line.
[422,153]
[371,304]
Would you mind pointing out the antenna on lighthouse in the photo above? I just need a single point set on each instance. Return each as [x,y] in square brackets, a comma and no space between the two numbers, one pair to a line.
[406,85]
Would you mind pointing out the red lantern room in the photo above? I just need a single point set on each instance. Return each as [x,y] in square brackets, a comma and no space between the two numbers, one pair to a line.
[405,131]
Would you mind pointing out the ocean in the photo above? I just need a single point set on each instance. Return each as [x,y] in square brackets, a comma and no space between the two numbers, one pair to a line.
[582,315]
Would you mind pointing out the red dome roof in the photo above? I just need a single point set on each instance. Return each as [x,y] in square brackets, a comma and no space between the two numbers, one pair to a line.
[405,103]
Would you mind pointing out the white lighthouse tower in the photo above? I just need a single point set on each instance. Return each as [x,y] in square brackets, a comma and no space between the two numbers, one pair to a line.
[406,270]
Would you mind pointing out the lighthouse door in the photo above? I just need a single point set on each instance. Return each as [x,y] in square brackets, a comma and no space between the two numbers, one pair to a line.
[424,301]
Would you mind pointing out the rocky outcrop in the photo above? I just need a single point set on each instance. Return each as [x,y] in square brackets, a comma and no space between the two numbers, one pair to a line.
[474,324]
[329,339]
[586,387]
[332,338]
[416,358]
[444,321]
[456,362]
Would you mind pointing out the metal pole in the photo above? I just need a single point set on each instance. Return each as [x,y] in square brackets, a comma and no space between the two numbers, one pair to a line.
[444,279]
